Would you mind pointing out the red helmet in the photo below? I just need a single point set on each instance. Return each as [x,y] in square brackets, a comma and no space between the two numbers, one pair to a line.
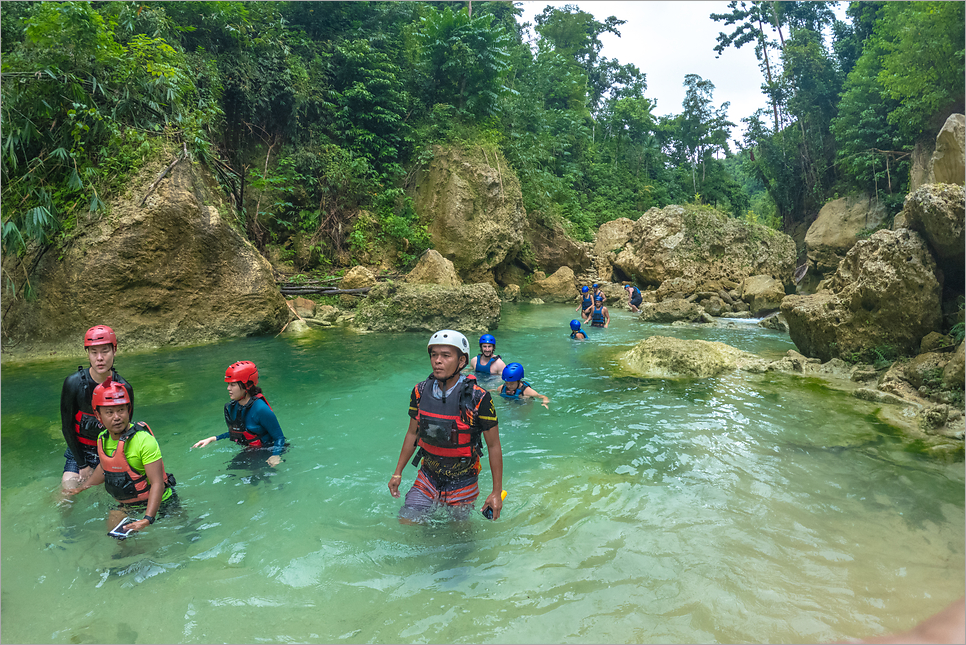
[110,393]
[100,335]
[243,372]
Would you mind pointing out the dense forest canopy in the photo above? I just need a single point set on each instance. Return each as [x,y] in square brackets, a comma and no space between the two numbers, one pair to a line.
[311,113]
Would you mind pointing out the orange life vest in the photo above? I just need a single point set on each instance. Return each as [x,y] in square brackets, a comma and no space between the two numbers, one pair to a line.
[122,481]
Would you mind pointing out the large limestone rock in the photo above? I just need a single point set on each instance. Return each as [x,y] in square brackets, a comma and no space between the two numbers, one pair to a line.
[762,293]
[937,212]
[553,248]
[948,162]
[668,311]
[433,268]
[613,235]
[665,357]
[398,307]
[703,246]
[884,293]
[559,287]
[837,228]
[473,207]
[171,272]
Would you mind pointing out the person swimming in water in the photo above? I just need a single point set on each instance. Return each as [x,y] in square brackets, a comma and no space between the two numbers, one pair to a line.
[515,387]
[485,362]
[576,332]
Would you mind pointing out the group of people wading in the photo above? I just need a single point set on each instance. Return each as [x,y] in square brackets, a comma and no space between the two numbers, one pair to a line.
[451,418]
[104,445]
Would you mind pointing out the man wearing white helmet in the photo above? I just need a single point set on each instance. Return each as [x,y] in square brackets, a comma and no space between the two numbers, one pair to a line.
[450,418]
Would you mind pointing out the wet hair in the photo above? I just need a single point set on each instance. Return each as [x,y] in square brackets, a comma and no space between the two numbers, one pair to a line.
[253,390]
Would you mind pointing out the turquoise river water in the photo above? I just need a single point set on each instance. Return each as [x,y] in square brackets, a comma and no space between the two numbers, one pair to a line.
[742,508]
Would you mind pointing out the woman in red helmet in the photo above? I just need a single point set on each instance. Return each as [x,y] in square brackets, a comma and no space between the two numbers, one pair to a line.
[130,465]
[78,423]
[251,421]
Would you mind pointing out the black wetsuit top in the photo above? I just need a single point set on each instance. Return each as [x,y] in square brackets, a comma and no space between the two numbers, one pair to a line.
[75,399]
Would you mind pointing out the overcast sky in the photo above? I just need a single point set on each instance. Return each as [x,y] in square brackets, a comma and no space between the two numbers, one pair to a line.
[668,40]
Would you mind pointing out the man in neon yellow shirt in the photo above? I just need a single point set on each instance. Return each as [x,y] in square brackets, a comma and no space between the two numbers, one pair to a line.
[131,468]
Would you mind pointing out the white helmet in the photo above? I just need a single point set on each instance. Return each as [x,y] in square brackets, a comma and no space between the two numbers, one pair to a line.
[451,338]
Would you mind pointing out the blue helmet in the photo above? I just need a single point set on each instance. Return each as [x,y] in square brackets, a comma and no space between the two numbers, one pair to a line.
[513,372]
[584,289]
[575,325]
[596,285]
[488,338]
[599,298]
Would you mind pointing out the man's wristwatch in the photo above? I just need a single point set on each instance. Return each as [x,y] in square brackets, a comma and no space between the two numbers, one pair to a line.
[149,518]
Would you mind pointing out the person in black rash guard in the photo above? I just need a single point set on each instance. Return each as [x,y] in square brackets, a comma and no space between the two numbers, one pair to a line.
[78,423]
[634,296]
[251,420]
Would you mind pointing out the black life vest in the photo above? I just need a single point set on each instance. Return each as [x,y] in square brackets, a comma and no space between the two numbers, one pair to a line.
[238,431]
[448,427]
[86,425]
[122,481]
[597,319]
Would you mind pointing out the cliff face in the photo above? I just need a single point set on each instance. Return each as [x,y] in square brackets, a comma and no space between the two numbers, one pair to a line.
[471,203]
[171,272]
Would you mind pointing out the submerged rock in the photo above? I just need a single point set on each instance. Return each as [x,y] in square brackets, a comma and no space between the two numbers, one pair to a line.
[398,307]
[666,357]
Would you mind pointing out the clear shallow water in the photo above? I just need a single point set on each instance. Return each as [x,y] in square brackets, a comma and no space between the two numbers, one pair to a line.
[744,508]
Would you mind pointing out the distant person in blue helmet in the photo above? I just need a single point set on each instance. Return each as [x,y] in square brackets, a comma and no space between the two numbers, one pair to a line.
[576,332]
[597,293]
[599,316]
[485,362]
[634,294]
[514,387]
[586,300]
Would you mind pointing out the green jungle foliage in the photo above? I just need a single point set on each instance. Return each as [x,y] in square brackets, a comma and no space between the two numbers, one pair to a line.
[316,115]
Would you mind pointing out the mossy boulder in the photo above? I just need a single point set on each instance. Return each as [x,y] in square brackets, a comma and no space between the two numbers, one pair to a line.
[702,246]
[666,357]
[396,307]
[173,271]
[884,294]
[559,287]
[471,203]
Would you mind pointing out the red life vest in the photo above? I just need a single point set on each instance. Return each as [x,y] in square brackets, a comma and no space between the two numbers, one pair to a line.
[238,431]
[447,428]
[122,481]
